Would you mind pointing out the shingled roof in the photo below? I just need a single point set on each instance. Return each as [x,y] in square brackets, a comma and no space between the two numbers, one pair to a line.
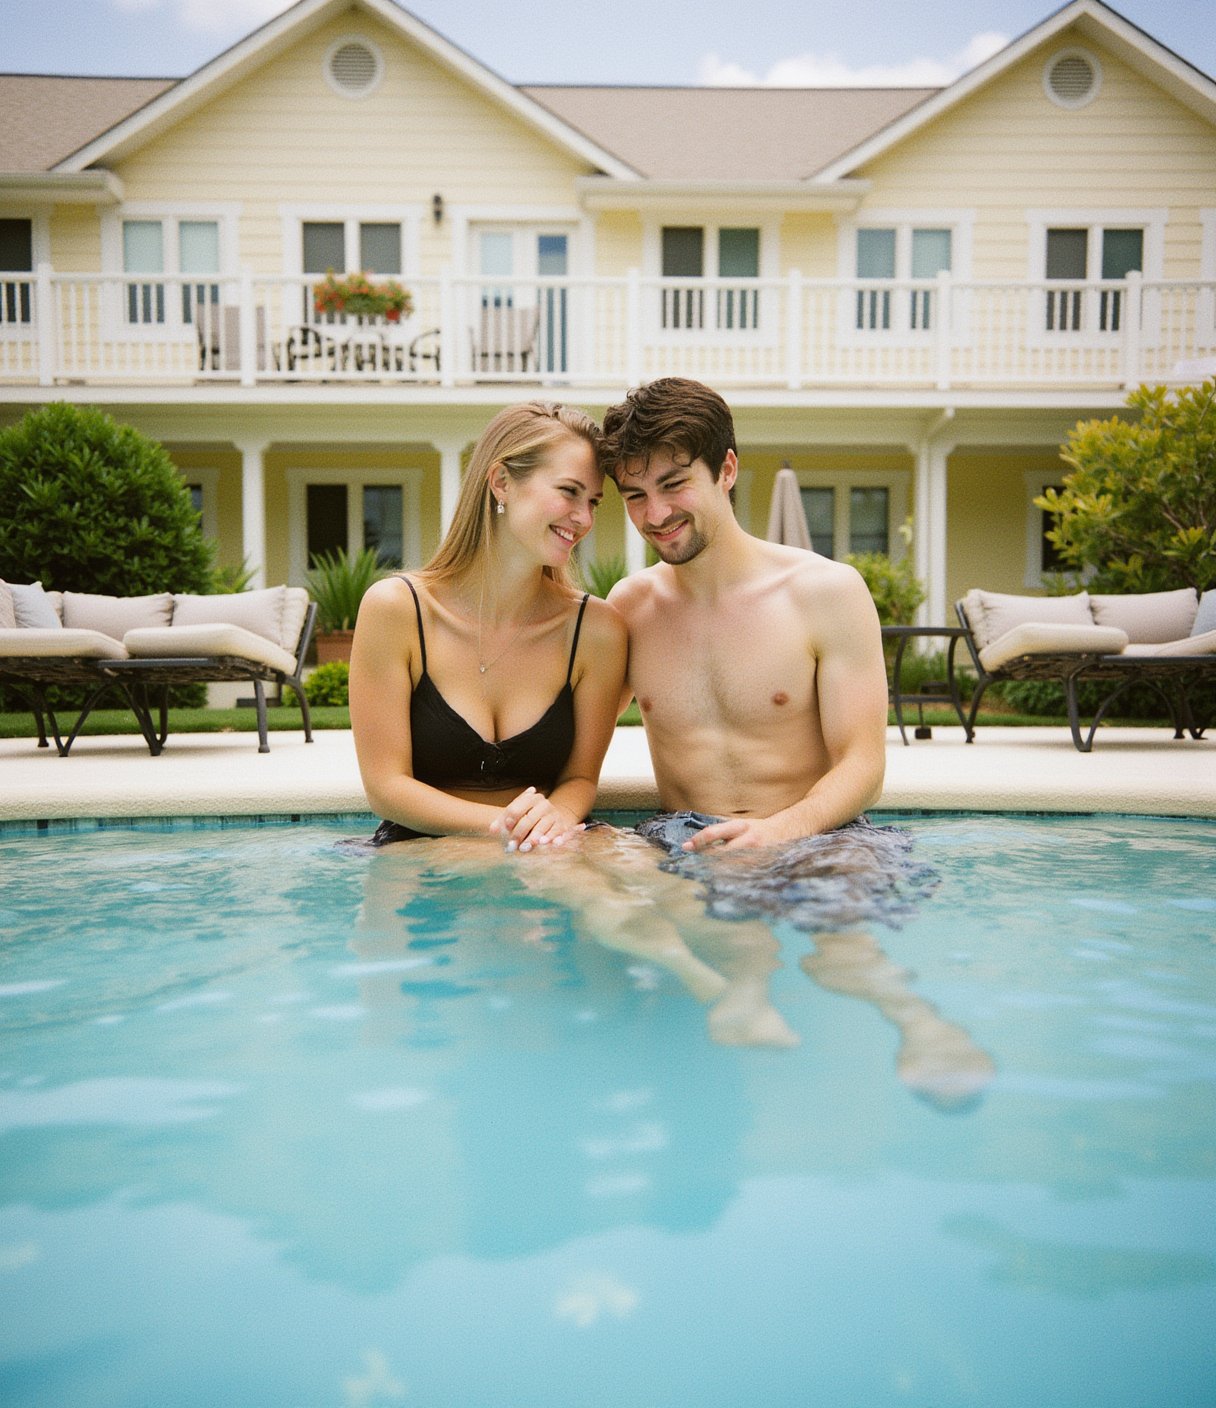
[728,134]
[692,134]
[46,118]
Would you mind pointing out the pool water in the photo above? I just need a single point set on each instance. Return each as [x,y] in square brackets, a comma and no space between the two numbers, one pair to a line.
[283,1123]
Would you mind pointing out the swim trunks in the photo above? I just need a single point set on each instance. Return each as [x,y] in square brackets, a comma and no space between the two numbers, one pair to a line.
[858,874]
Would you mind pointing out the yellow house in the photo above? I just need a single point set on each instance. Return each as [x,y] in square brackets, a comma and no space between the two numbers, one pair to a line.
[907,295]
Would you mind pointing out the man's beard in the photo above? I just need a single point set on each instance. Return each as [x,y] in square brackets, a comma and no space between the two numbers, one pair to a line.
[691,545]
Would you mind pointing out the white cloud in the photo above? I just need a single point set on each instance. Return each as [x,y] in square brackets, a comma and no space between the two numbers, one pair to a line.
[829,70]
[226,18]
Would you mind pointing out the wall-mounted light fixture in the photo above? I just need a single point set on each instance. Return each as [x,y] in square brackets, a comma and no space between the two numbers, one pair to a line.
[437,208]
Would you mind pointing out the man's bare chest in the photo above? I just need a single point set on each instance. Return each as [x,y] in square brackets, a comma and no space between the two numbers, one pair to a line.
[737,670]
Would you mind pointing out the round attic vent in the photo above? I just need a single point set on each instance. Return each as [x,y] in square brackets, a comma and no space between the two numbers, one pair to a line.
[353,67]
[1072,78]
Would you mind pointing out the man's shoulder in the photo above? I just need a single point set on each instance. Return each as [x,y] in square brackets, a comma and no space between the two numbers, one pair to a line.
[631,594]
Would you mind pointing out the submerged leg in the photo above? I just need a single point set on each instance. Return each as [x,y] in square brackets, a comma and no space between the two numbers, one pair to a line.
[937,1059]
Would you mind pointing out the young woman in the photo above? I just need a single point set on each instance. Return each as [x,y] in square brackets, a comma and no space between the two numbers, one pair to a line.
[484,688]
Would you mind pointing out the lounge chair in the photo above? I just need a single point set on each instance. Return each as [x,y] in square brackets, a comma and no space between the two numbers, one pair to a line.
[142,646]
[1164,639]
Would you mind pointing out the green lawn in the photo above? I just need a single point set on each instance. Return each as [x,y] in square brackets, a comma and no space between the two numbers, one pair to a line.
[285,717]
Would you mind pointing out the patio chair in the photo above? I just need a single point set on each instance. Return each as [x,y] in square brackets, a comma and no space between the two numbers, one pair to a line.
[505,339]
[142,646]
[1163,639]
[219,336]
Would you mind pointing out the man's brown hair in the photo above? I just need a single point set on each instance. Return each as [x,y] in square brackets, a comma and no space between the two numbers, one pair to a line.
[683,417]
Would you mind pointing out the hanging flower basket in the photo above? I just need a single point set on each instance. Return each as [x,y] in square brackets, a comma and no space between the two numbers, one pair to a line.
[359,296]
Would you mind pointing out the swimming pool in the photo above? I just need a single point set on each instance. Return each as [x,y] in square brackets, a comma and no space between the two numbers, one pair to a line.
[283,1124]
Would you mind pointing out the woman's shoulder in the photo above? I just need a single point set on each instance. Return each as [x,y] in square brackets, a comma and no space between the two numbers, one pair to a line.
[603,624]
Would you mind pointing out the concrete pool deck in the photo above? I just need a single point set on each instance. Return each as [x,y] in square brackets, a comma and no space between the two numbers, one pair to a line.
[1137,771]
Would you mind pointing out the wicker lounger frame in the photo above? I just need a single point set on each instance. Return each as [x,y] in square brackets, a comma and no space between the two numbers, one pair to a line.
[1170,675]
[145,683]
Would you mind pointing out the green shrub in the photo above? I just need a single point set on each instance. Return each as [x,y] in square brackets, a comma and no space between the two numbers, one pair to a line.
[89,505]
[1045,698]
[329,684]
[336,582]
[896,589]
[1139,506]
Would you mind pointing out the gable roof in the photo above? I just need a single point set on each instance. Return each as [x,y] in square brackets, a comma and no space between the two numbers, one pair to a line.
[1094,21]
[728,134]
[255,49]
[44,119]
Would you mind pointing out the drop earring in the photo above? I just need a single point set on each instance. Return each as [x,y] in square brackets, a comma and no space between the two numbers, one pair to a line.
[498,506]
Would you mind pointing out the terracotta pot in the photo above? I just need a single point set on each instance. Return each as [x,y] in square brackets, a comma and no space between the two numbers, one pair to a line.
[333,645]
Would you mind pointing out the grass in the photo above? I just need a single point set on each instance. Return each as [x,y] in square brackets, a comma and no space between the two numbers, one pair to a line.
[287,717]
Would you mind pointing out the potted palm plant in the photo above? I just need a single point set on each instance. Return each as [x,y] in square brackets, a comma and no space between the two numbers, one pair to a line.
[336,582]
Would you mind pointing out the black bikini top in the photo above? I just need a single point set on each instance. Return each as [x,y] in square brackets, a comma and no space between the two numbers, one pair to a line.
[449,752]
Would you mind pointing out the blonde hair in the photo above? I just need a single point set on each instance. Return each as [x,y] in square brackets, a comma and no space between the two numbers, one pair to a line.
[518,438]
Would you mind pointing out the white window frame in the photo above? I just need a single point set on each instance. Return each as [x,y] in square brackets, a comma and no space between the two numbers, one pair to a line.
[225,214]
[293,218]
[40,253]
[767,331]
[961,224]
[1149,219]
[897,483]
[408,478]
[530,221]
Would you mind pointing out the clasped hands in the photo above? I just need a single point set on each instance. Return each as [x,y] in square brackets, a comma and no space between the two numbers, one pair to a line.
[532,820]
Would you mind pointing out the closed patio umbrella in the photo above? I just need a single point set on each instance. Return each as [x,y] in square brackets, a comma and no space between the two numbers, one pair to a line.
[786,520]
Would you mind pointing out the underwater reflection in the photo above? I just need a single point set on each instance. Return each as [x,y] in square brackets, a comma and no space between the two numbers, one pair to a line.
[708,920]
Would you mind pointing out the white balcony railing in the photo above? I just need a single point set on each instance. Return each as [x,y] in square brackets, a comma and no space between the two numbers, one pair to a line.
[791,333]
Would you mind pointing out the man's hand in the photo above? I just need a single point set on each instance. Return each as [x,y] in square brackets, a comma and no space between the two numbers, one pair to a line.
[740,833]
[533,820]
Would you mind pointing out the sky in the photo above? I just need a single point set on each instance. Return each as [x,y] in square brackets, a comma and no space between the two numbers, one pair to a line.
[790,43]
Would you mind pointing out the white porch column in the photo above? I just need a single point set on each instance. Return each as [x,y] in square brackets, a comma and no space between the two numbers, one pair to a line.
[635,548]
[449,480]
[929,521]
[253,507]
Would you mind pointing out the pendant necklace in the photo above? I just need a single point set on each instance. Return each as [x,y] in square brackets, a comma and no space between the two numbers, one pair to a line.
[484,665]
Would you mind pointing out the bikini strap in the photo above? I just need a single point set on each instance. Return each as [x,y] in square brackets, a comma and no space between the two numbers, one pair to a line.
[418,609]
[578,626]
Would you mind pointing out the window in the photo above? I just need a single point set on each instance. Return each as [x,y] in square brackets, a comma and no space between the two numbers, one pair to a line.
[344,517]
[169,246]
[899,252]
[1042,556]
[345,246]
[848,518]
[1081,254]
[16,257]
[710,252]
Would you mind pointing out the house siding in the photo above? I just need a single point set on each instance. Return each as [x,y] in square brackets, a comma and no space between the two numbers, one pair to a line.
[1008,148]
[285,137]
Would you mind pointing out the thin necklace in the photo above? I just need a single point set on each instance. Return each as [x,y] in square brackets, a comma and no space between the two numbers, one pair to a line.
[484,665]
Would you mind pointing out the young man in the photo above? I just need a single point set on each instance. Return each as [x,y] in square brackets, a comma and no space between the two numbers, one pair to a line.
[758,668]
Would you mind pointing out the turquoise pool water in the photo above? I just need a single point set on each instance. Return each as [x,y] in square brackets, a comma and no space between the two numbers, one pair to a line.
[285,1125]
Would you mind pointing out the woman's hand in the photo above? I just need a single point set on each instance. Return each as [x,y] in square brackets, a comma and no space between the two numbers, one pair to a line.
[533,820]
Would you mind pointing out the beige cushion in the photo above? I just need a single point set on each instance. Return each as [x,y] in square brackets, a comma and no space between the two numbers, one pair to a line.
[59,643]
[1148,617]
[1204,644]
[1205,617]
[274,612]
[191,642]
[1050,638]
[33,607]
[8,618]
[991,614]
[115,615]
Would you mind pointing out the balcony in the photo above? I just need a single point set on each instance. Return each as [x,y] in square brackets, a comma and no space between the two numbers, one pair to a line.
[790,334]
